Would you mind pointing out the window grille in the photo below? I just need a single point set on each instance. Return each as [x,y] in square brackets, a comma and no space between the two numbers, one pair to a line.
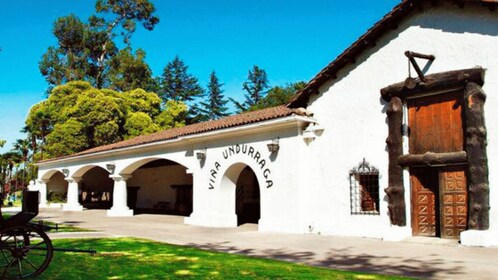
[364,189]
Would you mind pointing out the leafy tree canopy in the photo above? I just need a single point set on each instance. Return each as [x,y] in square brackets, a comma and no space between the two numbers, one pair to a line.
[88,51]
[173,115]
[139,123]
[67,138]
[77,116]
[278,95]
[128,71]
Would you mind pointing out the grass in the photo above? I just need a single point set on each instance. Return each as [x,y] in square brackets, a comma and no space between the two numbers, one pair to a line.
[127,258]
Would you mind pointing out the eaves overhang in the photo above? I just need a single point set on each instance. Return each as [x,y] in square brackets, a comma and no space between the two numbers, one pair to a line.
[288,122]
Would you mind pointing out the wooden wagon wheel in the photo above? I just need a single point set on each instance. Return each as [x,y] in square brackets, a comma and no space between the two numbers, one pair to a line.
[25,252]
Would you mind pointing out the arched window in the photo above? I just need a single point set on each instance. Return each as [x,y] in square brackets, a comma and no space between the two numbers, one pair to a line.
[364,189]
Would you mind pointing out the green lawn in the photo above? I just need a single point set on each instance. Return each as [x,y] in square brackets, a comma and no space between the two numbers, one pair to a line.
[126,258]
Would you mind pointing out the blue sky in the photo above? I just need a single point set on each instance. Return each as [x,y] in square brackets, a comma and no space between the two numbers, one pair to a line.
[292,40]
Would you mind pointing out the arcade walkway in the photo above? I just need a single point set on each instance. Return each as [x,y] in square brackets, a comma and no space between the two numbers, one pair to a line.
[417,257]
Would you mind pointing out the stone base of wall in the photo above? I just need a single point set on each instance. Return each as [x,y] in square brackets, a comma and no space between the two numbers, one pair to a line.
[120,212]
[479,238]
[211,220]
[72,207]
[397,233]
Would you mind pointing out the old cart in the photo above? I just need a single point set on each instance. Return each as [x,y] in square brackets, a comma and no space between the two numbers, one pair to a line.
[25,248]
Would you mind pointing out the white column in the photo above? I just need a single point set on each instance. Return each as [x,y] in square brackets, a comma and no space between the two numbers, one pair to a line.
[72,195]
[41,186]
[120,197]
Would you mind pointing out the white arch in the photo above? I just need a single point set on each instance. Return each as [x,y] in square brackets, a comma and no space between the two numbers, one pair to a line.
[228,186]
[49,173]
[84,169]
[232,174]
[130,168]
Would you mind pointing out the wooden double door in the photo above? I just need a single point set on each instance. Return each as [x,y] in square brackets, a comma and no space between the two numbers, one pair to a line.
[439,194]
[439,201]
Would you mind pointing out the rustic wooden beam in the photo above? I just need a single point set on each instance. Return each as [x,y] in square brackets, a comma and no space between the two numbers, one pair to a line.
[475,144]
[395,190]
[434,82]
[431,158]
[419,55]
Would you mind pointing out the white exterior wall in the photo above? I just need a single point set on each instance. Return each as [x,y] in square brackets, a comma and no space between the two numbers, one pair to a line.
[213,190]
[280,203]
[353,113]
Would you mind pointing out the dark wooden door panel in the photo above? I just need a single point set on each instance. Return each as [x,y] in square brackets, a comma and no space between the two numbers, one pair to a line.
[453,189]
[424,201]
[436,123]
[439,201]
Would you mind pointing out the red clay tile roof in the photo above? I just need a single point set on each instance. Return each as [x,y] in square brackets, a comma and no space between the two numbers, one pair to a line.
[367,40]
[227,122]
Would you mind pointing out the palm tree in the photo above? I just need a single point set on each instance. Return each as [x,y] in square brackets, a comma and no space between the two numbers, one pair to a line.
[3,169]
[21,147]
[11,159]
[33,147]
[38,128]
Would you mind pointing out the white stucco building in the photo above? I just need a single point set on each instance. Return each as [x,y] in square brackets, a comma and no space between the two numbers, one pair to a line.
[328,168]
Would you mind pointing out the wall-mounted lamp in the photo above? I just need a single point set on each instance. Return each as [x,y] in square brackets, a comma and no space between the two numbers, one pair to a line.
[110,167]
[201,154]
[273,146]
[316,129]
[308,135]
[65,171]
[311,132]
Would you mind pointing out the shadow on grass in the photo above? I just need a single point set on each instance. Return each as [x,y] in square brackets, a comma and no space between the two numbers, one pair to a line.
[348,259]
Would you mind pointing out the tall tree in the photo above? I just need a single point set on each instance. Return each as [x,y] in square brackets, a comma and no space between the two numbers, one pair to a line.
[256,87]
[180,86]
[177,84]
[85,49]
[22,147]
[120,17]
[129,71]
[3,170]
[215,106]
[10,160]
[38,125]
[67,61]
